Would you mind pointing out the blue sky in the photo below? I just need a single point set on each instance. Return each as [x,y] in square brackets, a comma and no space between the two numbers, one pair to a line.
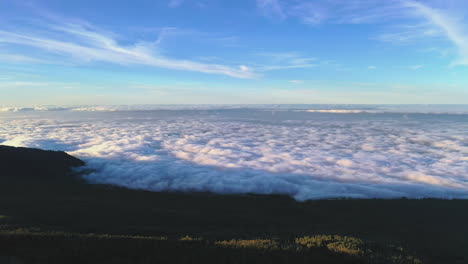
[55,52]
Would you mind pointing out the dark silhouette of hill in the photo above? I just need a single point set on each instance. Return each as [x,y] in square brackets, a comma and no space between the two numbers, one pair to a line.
[18,163]
[47,215]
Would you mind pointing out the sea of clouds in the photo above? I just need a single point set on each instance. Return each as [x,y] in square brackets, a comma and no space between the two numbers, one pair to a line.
[317,108]
[303,152]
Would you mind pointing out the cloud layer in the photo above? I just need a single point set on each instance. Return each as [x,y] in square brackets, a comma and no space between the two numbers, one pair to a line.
[307,155]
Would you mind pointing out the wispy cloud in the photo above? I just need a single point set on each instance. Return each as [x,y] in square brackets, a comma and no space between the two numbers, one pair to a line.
[296,81]
[16,84]
[333,11]
[273,61]
[18,58]
[84,43]
[309,12]
[410,33]
[175,3]
[416,67]
[417,20]
[271,8]
[285,60]
[448,25]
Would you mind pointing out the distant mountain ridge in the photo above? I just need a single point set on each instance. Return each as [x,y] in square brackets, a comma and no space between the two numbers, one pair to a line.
[36,164]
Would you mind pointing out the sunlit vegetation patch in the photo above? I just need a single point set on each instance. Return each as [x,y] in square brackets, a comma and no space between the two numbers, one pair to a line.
[343,249]
[353,246]
[252,243]
[341,244]
[6,231]
[189,238]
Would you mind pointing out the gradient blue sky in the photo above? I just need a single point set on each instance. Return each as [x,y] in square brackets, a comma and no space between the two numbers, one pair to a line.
[55,52]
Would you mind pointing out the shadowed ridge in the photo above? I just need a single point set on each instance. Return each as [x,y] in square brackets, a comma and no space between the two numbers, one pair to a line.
[30,163]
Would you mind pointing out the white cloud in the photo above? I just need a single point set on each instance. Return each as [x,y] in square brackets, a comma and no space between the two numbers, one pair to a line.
[244,68]
[320,156]
[345,163]
[86,44]
[372,67]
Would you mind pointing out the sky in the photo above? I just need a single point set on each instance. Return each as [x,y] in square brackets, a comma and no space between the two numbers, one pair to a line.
[85,52]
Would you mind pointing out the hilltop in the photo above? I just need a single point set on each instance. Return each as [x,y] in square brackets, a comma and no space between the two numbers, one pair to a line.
[35,164]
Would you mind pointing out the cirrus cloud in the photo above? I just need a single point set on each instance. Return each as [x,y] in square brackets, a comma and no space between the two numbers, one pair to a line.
[85,43]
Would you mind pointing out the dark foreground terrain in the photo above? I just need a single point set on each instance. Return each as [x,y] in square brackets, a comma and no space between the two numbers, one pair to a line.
[49,215]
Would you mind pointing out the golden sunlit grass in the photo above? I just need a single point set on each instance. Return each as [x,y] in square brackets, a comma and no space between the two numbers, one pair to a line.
[189,238]
[251,243]
[341,244]
[317,245]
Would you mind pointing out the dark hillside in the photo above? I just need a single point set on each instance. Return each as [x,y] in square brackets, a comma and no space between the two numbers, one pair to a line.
[47,216]
[35,164]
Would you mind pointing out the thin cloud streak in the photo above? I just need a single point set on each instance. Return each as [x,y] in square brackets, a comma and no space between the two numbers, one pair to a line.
[427,21]
[285,60]
[175,3]
[334,11]
[448,25]
[18,58]
[296,81]
[271,8]
[96,46]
